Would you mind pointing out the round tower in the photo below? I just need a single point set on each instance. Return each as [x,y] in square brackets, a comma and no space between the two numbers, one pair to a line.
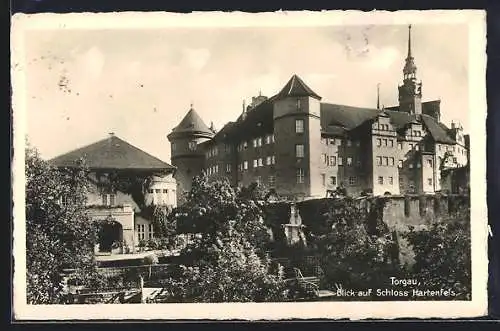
[186,153]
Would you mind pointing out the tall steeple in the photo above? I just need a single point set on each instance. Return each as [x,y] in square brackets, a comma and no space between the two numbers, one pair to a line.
[410,92]
[410,69]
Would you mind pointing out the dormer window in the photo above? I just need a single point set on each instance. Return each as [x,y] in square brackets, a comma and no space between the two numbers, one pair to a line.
[298,104]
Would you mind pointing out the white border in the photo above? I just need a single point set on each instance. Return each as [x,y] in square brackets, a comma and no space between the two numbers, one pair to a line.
[256,311]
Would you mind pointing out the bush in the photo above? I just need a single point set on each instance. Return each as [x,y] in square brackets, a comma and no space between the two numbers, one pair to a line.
[443,255]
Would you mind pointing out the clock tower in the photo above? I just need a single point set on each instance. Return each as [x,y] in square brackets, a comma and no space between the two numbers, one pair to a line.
[410,92]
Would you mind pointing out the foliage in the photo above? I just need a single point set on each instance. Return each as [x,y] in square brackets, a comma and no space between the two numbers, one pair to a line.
[59,233]
[227,260]
[351,253]
[443,255]
[132,183]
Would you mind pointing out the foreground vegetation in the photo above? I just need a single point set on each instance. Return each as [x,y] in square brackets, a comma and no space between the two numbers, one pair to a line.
[230,259]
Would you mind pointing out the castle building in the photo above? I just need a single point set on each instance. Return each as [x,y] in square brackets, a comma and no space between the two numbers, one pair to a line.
[303,147]
[124,182]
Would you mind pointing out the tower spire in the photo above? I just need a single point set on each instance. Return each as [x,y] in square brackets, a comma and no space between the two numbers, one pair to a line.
[410,69]
[409,41]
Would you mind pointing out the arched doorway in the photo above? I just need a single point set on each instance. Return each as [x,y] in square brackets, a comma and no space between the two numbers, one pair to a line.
[109,235]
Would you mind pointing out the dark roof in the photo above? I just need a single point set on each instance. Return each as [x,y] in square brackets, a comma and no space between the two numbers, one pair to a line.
[347,117]
[112,153]
[192,123]
[438,130]
[334,118]
[297,88]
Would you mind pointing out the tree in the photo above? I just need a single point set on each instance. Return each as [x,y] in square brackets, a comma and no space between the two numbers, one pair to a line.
[443,255]
[353,252]
[226,261]
[59,234]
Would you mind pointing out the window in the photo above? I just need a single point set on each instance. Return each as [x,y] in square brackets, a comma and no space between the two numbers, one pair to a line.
[150,191]
[151,231]
[385,142]
[429,163]
[255,163]
[141,231]
[299,126]
[258,180]
[358,143]
[349,161]
[400,164]
[439,148]
[174,147]
[417,147]
[380,180]
[272,138]
[379,142]
[418,165]
[299,150]
[338,141]
[298,104]
[391,181]
[340,160]
[392,162]
[259,141]
[379,160]
[268,160]
[411,146]
[391,143]
[245,165]
[400,145]
[386,161]
[333,161]
[323,179]
[228,167]
[165,190]
[410,165]
[352,180]
[254,142]
[108,199]
[245,145]
[333,180]
[300,176]
[429,181]
[268,139]
[454,160]
[157,190]
[272,181]
[192,145]
[331,141]
[260,162]
[349,143]
[324,157]
[273,160]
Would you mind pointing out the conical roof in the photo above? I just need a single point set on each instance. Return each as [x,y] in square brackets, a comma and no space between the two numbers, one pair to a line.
[297,88]
[192,123]
[111,153]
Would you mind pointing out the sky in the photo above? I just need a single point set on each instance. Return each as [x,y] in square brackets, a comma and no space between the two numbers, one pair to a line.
[139,84]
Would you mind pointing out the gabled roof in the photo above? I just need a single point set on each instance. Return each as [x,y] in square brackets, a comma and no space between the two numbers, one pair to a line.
[112,153]
[334,118]
[192,123]
[297,88]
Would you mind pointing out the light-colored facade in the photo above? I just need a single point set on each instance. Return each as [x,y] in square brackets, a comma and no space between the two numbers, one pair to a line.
[124,182]
[302,147]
